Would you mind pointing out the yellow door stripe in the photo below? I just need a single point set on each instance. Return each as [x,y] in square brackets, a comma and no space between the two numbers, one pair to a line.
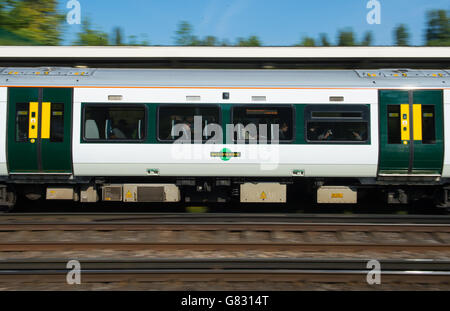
[404,122]
[417,121]
[33,120]
[45,127]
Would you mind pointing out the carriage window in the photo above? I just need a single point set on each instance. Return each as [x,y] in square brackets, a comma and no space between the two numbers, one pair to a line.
[114,123]
[22,122]
[428,125]
[337,131]
[394,124]
[337,123]
[57,122]
[262,124]
[179,122]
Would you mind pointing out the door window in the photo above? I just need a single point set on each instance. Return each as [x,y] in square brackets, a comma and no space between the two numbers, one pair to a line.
[394,124]
[428,125]
[57,122]
[22,122]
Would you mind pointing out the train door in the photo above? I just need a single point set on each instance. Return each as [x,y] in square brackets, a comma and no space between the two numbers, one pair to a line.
[39,130]
[411,132]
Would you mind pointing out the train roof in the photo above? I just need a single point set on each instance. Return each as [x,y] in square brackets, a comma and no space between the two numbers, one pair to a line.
[219,52]
[231,78]
[227,57]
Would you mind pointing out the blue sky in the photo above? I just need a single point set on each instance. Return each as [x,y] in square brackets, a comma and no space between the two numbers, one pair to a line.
[276,22]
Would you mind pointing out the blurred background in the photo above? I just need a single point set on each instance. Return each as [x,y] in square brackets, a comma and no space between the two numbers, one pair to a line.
[225,23]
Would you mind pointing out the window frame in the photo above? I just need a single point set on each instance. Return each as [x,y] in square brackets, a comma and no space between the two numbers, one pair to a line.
[113,141]
[387,124]
[15,123]
[337,108]
[294,125]
[64,116]
[175,105]
[434,124]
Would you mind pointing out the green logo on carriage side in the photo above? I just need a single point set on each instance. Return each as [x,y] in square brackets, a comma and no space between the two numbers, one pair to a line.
[225,154]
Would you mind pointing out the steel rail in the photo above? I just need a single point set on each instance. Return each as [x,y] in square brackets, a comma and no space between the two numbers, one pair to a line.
[216,226]
[229,217]
[227,246]
[56,264]
[422,271]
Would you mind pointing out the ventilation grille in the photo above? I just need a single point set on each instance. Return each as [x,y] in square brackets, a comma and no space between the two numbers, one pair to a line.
[150,194]
[259,98]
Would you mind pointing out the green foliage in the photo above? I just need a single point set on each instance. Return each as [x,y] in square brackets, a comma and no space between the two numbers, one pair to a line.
[184,34]
[37,22]
[307,41]
[368,39]
[89,36]
[209,41]
[32,21]
[324,40]
[401,35]
[118,36]
[9,38]
[346,38]
[438,28]
[250,41]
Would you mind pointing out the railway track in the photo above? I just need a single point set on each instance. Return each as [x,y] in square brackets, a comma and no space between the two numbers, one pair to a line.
[130,218]
[238,270]
[232,233]
[264,247]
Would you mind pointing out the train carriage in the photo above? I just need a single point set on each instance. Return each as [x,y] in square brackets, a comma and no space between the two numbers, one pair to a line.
[253,136]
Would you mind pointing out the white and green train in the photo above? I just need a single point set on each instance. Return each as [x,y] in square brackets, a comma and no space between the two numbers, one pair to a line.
[108,134]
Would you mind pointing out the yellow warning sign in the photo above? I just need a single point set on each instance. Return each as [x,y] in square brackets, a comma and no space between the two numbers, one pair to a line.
[128,195]
[263,196]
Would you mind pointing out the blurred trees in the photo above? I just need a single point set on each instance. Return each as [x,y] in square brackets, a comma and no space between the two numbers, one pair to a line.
[36,21]
[250,41]
[346,38]
[438,28]
[324,39]
[184,35]
[89,36]
[118,36]
[367,39]
[401,35]
[307,41]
